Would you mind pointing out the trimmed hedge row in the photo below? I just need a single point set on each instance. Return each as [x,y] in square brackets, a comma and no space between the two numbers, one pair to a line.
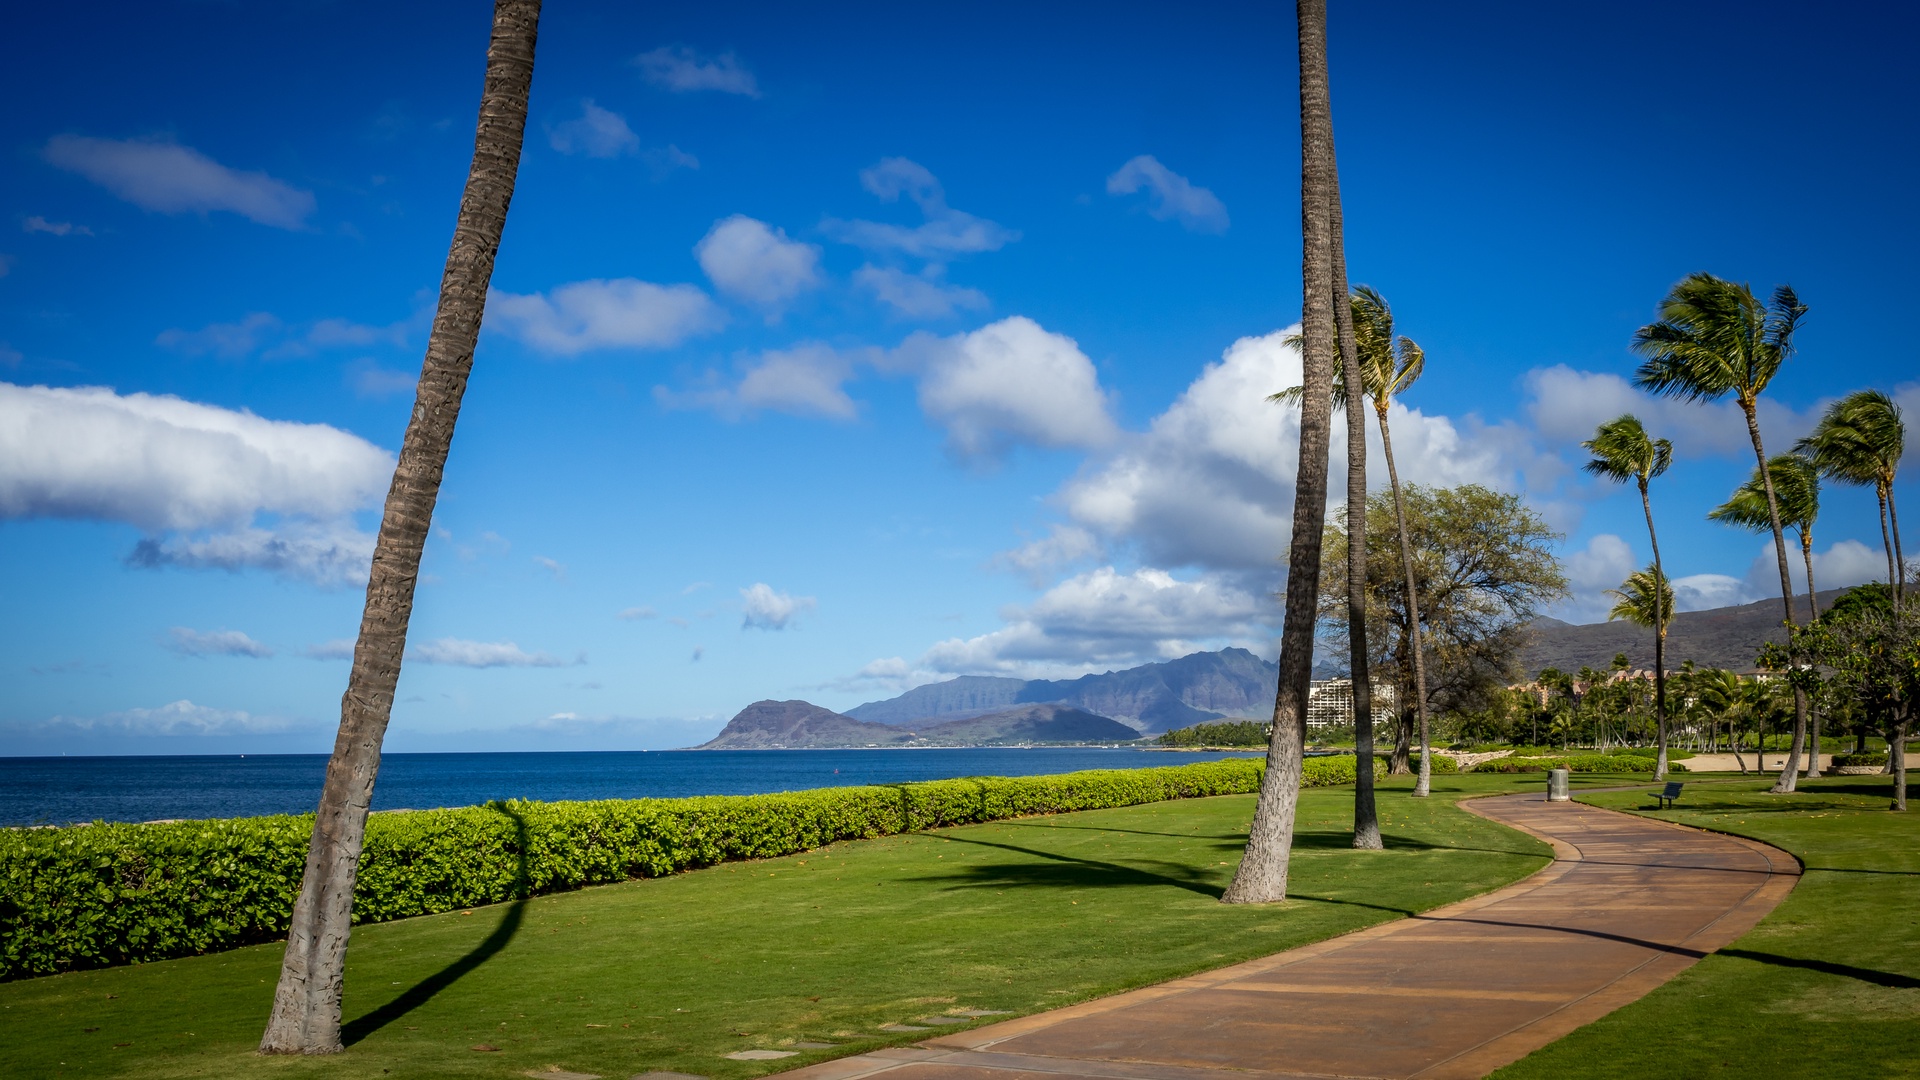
[103,894]
[1859,760]
[1580,763]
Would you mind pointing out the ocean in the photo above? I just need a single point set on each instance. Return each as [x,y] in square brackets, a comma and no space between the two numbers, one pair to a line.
[62,790]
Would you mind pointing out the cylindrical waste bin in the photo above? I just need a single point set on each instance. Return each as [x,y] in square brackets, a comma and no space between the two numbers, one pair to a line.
[1557,785]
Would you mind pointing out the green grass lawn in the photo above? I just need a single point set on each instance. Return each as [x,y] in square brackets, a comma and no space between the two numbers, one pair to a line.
[1828,985]
[675,973]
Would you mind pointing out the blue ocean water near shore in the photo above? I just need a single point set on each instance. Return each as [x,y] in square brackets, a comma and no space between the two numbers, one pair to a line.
[61,790]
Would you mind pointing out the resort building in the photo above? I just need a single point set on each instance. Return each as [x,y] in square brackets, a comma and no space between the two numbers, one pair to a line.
[1330,702]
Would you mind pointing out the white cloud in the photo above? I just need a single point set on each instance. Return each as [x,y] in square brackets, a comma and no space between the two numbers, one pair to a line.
[1210,483]
[596,132]
[1105,617]
[1603,564]
[1844,564]
[552,566]
[682,70]
[618,314]
[1567,405]
[175,179]
[229,341]
[158,462]
[180,718]
[1698,592]
[754,261]
[1063,546]
[337,649]
[806,380]
[890,675]
[1008,382]
[190,642]
[945,232]
[641,612]
[765,608]
[38,224]
[328,554]
[918,296]
[456,652]
[1173,197]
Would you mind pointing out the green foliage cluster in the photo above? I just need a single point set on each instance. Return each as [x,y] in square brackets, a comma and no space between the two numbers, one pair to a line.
[1582,763]
[103,894]
[1219,733]
[1842,761]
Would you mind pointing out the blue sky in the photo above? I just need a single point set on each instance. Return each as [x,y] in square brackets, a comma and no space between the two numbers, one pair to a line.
[836,351]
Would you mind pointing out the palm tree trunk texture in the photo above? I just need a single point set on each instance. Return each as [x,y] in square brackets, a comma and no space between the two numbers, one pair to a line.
[306,1006]
[1899,554]
[1813,707]
[1789,772]
[1886,537]
[1366,819]
[1416,649]
[1262,874]
[1660,618]
[1897,761]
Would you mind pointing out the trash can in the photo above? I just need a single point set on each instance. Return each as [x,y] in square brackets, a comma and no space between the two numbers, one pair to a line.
[1557,785]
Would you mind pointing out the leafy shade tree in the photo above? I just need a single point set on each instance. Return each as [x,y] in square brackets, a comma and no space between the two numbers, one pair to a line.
[1388,365]
[1859,441]
[306,1005]
[1713,339]
[1623,451]
[1486,569]
[1870,641]
[1262,874]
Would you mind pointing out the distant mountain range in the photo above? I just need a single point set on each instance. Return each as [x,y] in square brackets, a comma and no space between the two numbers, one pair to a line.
[1728,637]
[1119,706]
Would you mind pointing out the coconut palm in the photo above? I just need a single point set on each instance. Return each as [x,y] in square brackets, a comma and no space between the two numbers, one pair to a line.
[1715,339]
[1645,599]
[306,1005]
[1623,451]
[1860,441]
[1262,874]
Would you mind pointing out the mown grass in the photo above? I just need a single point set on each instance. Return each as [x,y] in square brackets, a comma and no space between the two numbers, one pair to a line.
[673,974]
[1828,985]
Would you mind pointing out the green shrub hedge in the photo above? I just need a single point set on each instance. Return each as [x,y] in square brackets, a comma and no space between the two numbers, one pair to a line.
[102,894]
[1859,760]
[1581,763]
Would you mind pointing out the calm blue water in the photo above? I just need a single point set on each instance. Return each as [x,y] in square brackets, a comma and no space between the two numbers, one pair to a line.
[58,790]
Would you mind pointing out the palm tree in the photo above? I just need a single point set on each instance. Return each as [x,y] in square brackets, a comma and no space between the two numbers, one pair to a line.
[1622,451]
[1860,441]
[1388,365]
[1646,599]
[1262,874]
[306,1005]
[1714,338]
[1796,488]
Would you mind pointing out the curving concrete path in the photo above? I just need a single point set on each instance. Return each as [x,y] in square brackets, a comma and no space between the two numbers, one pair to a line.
[1627,904]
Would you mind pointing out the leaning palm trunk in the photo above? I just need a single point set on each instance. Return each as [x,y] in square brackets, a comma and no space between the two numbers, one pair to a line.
[1262,874]
[1886,537]
[1789,772]
[1660,618]
[1813,704]
[1415,649]
[306,1006]
[1899,555]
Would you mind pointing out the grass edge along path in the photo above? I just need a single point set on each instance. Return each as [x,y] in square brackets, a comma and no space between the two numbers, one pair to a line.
[826,946]
[1828,985]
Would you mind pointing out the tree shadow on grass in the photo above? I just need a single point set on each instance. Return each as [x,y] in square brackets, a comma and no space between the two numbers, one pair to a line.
[1058,871]
[360,1027]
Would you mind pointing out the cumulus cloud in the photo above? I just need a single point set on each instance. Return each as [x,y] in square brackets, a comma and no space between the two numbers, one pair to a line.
[189,642]
[1063,546]
[1210,483]
[1008,382]
[174,179]
[889,675]
[596,132]
[327,554]
[1566,405]
[1170,196]
[457,652]
[806,380]
[38,224]
[1602,564]
[1699,592]
[766,608]
[1106,617]
[755,262]
[944,233]
[682,70]
[1844,564]
[159,462]
[620,314]
[918,296]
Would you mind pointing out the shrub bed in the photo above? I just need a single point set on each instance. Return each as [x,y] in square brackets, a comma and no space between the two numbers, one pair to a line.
[103,894]
[1874,760]
[1581,763]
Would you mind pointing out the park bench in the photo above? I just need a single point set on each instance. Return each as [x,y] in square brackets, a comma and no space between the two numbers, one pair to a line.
[1669,793]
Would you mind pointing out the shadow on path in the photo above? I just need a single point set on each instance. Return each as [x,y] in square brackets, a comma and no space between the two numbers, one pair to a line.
[422,992]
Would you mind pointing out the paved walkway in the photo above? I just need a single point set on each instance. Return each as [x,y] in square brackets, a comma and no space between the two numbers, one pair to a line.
[1458,992]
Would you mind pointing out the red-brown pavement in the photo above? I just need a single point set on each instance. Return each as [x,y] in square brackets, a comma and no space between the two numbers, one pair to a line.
[1456,992]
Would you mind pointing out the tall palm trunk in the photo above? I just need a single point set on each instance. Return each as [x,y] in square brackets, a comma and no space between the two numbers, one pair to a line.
[306,1006]
[1880,489]
[1813,613]
[1790,772]
[1262,874]
[1899,555]
[1424,783]
[1366,819]
[1660,617]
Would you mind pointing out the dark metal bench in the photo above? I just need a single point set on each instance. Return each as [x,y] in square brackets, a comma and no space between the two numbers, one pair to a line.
[1671,792]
